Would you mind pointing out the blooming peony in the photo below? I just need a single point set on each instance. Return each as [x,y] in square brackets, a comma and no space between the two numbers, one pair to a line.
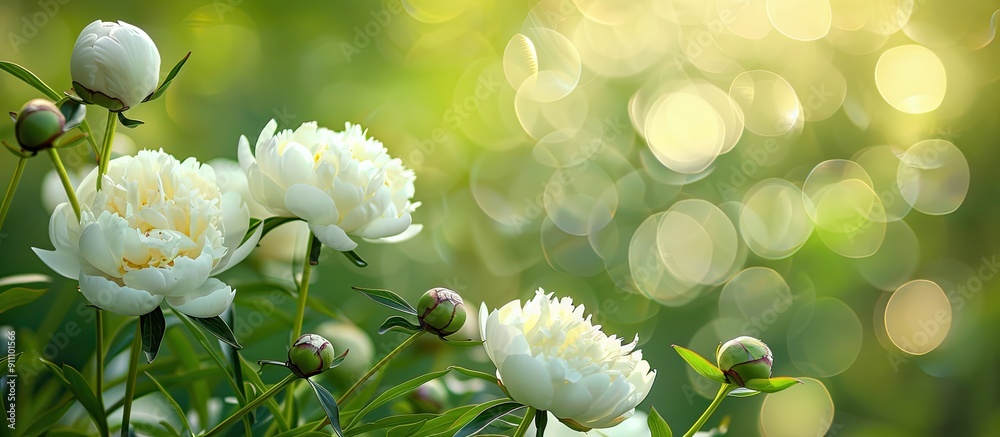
[548,356]
[341,183]
[158,230]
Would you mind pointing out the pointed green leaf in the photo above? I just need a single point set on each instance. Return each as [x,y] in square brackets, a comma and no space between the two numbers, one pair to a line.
[233,355]
[657,426]
[152,326]
[218,327]
[18,296]
[403,430]
[398,323]
[329,404]
[13,116]
[74,112]
[390,421]
[68,140]
[492,379]
[269,224]
[355,258]
[77,385]
[772,385]
[462,343]
[128,122]
[29,78]
[254,379]
[445,421]
[741,392]
[388,298]
[542,418]
[169,79]
[397,391]
[48,419]
[487,417]
[173,403]
[339,359]
[700,364]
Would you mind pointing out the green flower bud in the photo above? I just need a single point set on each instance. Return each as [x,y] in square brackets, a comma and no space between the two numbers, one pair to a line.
[744,358]
[429,397]
[38,124]
[310,355]
[441,311]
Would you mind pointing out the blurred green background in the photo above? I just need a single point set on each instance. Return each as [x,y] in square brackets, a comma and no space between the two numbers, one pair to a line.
[431,80]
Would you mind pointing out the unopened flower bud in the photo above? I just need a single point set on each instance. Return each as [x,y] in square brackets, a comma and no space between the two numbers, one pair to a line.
[38,124]
[310,355]
[744,358]
[114,64]
[441,311]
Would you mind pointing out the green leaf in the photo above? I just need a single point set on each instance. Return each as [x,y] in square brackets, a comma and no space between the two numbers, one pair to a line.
[254,379]
[448,419]
[403,430]
[218,327]
[462,343]
[398,323]
[700,364]
[741,392]
[329,404]
[3,361]
[390,421]
[234,360]
[487,417]
[772,385]
[152,326]
[355,258]
[397,391]
[387,298]
[18,296]
[541,418]
[269,224]
[492,379]
[72,379]
[74,112]
[30,79]
[170,78]
[173,403]
[657,426]
[339,359]
[128,122]
[48,419]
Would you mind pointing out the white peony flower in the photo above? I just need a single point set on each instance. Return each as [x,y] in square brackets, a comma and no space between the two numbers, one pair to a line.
[114,64]
[634,426]
[548,356]
[341,183]
[158,230]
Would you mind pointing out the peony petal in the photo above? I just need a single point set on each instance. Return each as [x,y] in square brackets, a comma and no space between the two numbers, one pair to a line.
[266,192]
[94,248]
[295,165]
[118,299]
[236,256]
[409,233]
[185,275]
[333,237]
[527,381]
[311,204]
[386,227]
[570,400]
[209,300]
[244,154]
[60,261]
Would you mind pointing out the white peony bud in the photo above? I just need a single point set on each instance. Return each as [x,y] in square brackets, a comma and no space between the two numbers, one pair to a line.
[114,65]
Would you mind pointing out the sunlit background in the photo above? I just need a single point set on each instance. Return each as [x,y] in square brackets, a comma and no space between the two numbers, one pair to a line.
[819,174]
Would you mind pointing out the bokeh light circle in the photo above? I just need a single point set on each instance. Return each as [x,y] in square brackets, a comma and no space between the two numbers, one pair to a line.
[911,78]
[918,317]
[650,275]
[802,20]
[803,410]
[769,103]
[684,131]
[697,242]
[773,221]
[543,63]
[581,200]
[933,176]
[824,337]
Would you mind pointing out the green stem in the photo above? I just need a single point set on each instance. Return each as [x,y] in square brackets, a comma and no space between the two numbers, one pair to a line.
[133,369]
[99,379]
[303,291]
[723,392]
[109,136]
[66,183]
[250,406]
[525,422]
[85,128]
[354,388]
[9,197]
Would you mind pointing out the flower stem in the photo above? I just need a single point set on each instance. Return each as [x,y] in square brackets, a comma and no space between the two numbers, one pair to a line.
[723,391]
[250,406]
[354,388]
[525,422]
[109,136]
[300,311]
[133,369]
[67,185]
[99,378]
[9,197]
[85,128]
